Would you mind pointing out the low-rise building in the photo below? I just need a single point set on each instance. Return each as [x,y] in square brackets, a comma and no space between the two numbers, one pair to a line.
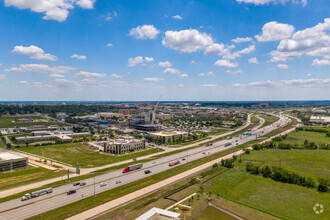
[31,129]
[159,214]
[168,136]
[163,116]
[320,119]
[9,161]
[61,115]
[122,146]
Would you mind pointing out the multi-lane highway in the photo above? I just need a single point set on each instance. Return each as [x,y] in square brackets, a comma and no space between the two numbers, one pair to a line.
[17,209]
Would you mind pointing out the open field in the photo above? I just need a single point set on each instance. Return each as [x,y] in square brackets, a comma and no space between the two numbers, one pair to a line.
[73,153]
[273,197]
[6,122]
[269,119]
[26,176]
[300,136]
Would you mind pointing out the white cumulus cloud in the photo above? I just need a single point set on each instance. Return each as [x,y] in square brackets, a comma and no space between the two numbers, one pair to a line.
[144,32]
[225,64]
[210,73]
[40,68]
[209,85]
[234,72]
[186,41]
[171,71]
[253,60]
[149,59]
[3,77]
[153,79]
[135,61]
[116,76]
[184,75]
[273,31]
[177,17]
[216,48]
[241,39]
[165,64]
[79,57]
[283,66]
[263,2]
[55,75]
[52,9]
[83,74]
[34,52]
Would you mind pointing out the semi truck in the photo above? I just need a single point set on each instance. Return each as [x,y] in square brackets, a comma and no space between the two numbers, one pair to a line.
[36,193]
[173,163]
[133,167]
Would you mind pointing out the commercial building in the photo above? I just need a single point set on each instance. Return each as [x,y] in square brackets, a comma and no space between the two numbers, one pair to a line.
[159,214]
[9,161]
[127,111]
[61,115]
[122,146]
[140,124]
[65,136]
[170,135]
[320,119]
[163,116]
[37,128]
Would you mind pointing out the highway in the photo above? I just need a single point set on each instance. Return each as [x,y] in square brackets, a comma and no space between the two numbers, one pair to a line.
[17,209]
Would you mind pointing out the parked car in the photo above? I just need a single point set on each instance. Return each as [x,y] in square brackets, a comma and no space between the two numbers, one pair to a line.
[147,171]
[118,181]
[83,184]
[71,192]
[103,184]
[76,184]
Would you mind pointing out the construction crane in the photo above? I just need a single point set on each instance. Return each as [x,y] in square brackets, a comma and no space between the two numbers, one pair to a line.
[154,111]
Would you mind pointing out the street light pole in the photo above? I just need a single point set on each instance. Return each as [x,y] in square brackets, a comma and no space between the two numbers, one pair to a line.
[94,185]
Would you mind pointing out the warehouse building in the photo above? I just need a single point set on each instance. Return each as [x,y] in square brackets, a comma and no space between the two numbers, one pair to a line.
[122,146]
[168,136]
[9,161]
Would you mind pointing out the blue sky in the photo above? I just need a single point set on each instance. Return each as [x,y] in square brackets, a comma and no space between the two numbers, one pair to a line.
[184,50]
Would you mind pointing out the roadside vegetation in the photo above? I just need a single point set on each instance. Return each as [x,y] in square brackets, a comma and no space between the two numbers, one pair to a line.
[269,119]
[7,122]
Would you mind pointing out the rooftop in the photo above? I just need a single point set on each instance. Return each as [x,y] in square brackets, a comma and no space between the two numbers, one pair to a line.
[9,156]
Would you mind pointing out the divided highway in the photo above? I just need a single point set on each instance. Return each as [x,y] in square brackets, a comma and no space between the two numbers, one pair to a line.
[17,209]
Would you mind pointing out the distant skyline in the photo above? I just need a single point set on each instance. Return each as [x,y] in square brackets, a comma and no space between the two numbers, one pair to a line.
[106,50]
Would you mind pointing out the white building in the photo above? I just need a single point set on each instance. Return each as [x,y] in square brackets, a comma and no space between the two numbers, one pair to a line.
[159,214]
[9,161]
[121,146]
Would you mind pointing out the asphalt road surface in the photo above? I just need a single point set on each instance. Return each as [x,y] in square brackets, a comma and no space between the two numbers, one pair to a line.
[17,209]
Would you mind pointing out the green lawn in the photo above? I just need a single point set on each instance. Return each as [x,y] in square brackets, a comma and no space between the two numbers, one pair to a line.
[300,136]
[26,176]
[269,119]
[286,201]
[218,131]
[72,153]
[6,122]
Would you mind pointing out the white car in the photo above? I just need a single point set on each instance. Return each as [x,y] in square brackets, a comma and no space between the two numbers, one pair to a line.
[103,184]
[118,181]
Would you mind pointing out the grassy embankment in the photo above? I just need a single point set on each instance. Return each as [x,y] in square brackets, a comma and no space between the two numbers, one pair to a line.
[73,153]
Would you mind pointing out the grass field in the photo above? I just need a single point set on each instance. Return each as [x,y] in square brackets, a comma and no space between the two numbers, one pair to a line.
[26,176]
[269,119]
[282,200]
[218,131]
[6,122]
[72,153]
[300,136]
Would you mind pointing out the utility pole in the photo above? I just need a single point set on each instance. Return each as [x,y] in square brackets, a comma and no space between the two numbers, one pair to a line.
[94,185]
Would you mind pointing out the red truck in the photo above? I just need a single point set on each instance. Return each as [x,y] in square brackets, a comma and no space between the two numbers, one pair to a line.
[173,163]
[132,167]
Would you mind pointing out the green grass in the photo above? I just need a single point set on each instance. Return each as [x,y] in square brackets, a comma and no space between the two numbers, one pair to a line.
[72,153]
[269,119]
[282,200]
[218,131]
[190,142]
[210,213]
[300,136]
[26,176]
[6,122]
[279,130]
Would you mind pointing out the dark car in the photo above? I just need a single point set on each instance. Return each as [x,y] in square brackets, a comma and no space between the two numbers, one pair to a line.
[71,192]
[82,184]
[76,184]
[147,171]
[183,159]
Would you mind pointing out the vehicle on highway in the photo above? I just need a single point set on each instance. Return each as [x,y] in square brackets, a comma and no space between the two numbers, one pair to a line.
[83,184]
[183,159]
[173,163]
[203,152]
[147,171]
[208,144]
[154,162]
[36,194]
[227,144]
[76,184]
[133,167]
[236,144]
[236,140]
[71,192]
[103,184]
[118,181]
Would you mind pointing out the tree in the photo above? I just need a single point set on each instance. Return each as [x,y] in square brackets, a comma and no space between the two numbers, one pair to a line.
[306,142]
[323,185]
[266,171]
